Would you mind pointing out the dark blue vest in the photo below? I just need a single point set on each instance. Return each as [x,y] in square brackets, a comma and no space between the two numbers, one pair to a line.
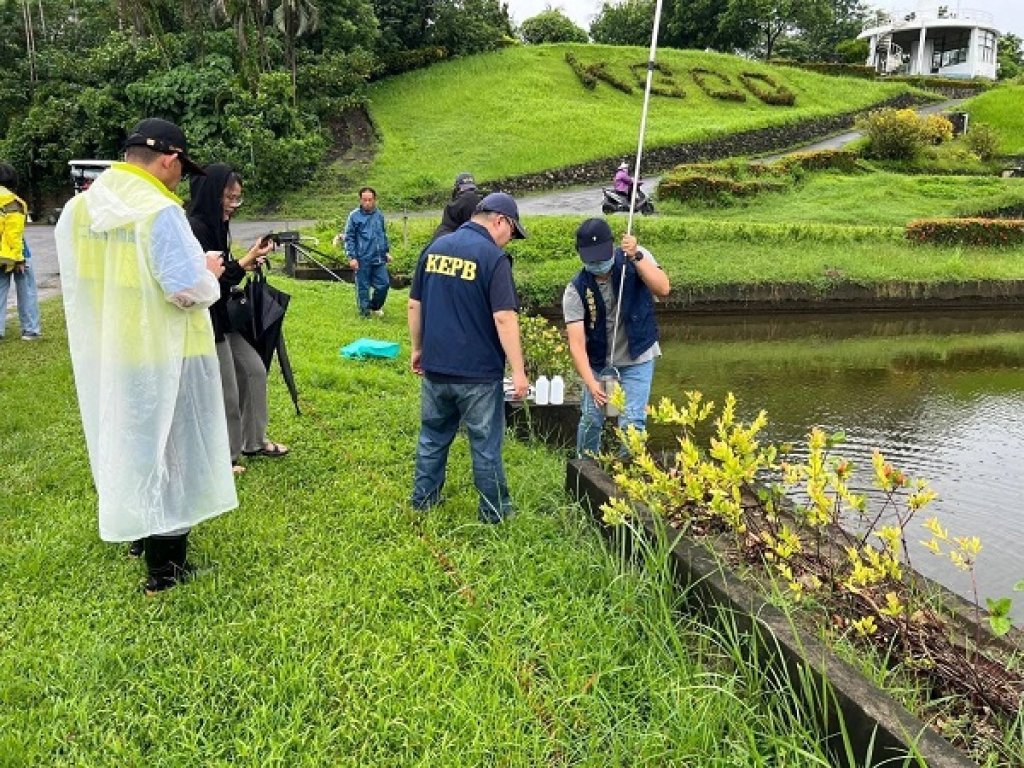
[636,315]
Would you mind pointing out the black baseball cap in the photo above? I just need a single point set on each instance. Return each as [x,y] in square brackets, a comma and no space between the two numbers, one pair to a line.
[165,137]
[465,181]
[594,241]
[503,203]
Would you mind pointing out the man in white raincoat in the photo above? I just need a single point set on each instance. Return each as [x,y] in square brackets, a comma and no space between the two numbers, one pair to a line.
[136,287]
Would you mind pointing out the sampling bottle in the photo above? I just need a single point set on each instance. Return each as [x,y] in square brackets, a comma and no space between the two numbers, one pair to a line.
[557,390]
[542,390]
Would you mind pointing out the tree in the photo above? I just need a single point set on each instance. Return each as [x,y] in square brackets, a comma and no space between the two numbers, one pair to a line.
[765,21]
[551,26]
[1010,56]
[698,24]
[464,27]
[628,23]
[844,21]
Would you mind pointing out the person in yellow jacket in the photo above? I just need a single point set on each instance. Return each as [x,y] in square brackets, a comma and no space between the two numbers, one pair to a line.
[136,287]
[15,262]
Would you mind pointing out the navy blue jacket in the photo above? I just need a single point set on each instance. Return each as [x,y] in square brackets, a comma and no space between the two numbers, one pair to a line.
[636,316]
[461,280]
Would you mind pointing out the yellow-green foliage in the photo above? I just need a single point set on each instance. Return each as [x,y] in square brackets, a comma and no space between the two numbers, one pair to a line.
[895,134]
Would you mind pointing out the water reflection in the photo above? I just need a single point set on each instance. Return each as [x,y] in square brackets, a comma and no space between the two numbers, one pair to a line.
[942,397]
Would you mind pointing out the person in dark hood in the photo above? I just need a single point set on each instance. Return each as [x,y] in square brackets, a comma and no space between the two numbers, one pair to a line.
[216,197]
[459,210]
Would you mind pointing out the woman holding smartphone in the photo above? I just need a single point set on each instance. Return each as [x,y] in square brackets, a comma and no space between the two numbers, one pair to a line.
[215,199]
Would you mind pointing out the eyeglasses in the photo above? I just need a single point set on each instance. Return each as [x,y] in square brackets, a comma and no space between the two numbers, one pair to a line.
[235,200]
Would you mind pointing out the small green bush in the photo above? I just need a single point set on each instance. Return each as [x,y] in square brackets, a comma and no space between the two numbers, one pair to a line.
[983,140]
[979,232]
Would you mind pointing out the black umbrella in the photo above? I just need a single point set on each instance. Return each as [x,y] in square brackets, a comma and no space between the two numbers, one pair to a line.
[265,333]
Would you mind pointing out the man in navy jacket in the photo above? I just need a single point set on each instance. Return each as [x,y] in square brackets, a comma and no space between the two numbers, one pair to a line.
[464,324]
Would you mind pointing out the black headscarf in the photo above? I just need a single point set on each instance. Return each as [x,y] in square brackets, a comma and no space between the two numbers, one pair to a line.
[206,207]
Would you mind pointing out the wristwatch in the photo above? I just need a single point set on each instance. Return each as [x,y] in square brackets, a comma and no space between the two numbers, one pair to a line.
[639,255]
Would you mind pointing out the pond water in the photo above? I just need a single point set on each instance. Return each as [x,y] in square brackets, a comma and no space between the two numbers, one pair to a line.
[941,396]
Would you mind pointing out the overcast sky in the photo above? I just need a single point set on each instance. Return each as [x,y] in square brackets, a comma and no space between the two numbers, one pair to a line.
[1008,14]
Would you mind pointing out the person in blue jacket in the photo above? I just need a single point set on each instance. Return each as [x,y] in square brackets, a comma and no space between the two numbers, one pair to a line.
[369,253]
[589,306]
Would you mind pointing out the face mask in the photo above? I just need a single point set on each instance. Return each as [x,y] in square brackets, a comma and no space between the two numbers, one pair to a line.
[600,267]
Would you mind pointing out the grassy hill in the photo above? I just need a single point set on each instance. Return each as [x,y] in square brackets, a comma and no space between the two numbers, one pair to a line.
[524,110]
[1003,109]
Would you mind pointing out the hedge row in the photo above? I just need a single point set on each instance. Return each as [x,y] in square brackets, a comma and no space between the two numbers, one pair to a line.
[976,231]
[844,160]
[825,68]
[723,91]
[715,189]
[720,183]
[639,71]
[779,95]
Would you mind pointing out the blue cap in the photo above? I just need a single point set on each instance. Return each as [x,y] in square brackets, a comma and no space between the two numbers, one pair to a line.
[594,241]
[500,202]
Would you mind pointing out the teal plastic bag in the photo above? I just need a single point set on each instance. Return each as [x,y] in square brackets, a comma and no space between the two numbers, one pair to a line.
[365,349]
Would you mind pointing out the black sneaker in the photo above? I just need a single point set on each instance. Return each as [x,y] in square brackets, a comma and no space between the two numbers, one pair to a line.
[136,548]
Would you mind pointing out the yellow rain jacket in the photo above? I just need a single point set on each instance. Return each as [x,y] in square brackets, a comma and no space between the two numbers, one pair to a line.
[13,213]
[136,290]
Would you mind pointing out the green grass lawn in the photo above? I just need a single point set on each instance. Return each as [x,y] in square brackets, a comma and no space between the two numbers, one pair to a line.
[870,199]
[523,109]
[333,626]
[1003,108]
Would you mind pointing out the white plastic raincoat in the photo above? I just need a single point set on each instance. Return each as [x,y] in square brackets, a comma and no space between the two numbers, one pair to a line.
[136,289]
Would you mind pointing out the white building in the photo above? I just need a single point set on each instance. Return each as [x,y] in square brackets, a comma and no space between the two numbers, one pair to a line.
[942,40]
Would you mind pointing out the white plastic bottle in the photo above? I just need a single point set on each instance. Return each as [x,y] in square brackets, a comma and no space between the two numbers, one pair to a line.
[557,390]
[542,390]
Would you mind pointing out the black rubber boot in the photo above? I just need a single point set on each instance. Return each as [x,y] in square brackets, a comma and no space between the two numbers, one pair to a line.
[136,548]
[165,562]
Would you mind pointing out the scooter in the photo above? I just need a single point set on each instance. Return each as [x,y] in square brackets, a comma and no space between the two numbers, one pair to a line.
[618,202]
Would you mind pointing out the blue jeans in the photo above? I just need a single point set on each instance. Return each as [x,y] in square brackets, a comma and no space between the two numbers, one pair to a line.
[636,383]
[28,299]
[373,276]
[481,408]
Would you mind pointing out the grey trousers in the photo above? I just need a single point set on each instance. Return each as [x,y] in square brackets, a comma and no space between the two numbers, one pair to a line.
[244,380]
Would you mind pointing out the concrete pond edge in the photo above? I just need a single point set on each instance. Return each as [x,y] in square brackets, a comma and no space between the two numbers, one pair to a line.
[847,707]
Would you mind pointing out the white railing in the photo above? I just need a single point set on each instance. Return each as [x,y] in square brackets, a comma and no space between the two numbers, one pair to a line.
[934,13]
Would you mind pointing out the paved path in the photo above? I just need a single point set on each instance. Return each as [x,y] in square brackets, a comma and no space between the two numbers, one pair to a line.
[44,250]
[587,200]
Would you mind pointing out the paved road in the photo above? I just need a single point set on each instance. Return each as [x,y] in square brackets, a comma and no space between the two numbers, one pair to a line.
[44,250]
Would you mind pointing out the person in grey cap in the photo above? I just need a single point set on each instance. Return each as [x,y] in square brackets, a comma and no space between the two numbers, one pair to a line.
[595,324]
[460,208]
[136,287]
[464,325]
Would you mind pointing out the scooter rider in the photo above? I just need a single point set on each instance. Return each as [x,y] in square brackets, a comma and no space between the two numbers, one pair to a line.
[623,181]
